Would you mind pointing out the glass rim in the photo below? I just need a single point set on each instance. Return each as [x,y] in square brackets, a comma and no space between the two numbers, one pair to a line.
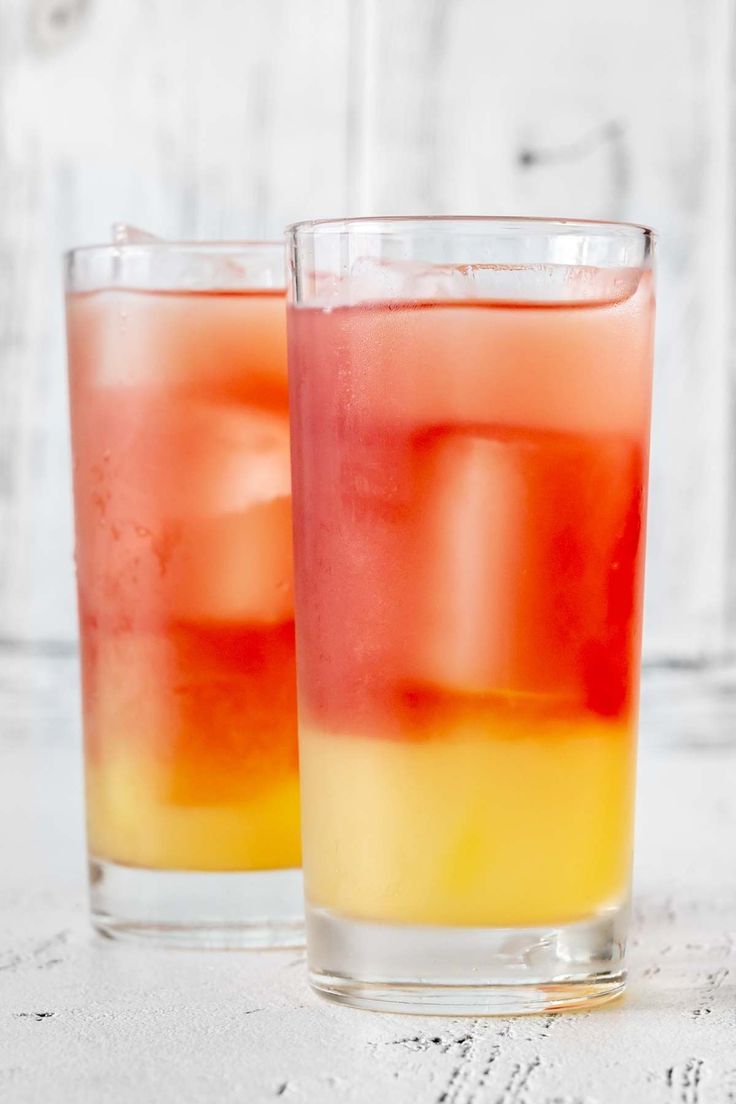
[540,223]
[222,246]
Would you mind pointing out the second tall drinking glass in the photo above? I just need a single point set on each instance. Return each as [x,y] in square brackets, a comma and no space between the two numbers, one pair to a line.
[177,363]
[470,425]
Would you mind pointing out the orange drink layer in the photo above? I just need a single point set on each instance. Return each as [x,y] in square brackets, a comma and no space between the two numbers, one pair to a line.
[183,516]
[470,587]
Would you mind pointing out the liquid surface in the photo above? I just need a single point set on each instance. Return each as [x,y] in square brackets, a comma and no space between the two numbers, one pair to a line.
[469,512]
[183,518]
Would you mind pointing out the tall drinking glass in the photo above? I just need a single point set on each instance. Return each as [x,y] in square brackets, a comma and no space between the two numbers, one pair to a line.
[177,362]
[470,426]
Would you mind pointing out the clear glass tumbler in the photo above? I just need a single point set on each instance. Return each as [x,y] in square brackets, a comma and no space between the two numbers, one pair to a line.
[470,407]
[177,365]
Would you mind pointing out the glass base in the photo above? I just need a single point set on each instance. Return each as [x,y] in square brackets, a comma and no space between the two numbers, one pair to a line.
[224,910]
[451,971]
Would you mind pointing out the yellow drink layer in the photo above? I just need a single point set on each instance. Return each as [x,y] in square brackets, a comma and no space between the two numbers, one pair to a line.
[132,819]
[473,828]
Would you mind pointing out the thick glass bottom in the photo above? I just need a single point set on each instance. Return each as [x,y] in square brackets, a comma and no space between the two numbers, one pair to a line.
[222,910]
[456,971]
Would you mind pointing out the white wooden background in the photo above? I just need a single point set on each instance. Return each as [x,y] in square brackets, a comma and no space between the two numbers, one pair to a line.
[231,117]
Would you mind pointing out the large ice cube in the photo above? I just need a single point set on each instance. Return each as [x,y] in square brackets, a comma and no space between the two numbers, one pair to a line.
[529,542]
[229,346]
[180,502]
[577,369]
[231,492]
[223,459]
[470,536]
[235,567]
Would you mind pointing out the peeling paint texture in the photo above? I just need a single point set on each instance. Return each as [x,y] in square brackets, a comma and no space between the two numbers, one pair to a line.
[89,1021]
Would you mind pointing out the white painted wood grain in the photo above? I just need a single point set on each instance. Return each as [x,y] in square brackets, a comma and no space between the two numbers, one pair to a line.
[224,118]
[84,1020]
[611,111]
[232,117]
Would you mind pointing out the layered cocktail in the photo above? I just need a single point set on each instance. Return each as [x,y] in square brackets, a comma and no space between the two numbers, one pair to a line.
[470,457]
[183,518]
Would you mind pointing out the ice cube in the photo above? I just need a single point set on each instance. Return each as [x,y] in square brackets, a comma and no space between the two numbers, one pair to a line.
[229,488]
[126,699]
[200,267]
[528,540]
[123,233]
[182,498]
[571,369]
[235,567]
[374,279]
[549,283]
[217,346]
[223,459]
[469,535]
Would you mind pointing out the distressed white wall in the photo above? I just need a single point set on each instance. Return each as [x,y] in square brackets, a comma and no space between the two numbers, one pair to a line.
[192,117]
[610,110]
[232,117]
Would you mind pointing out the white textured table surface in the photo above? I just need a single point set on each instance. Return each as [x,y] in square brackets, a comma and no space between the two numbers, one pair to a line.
[86,1020]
